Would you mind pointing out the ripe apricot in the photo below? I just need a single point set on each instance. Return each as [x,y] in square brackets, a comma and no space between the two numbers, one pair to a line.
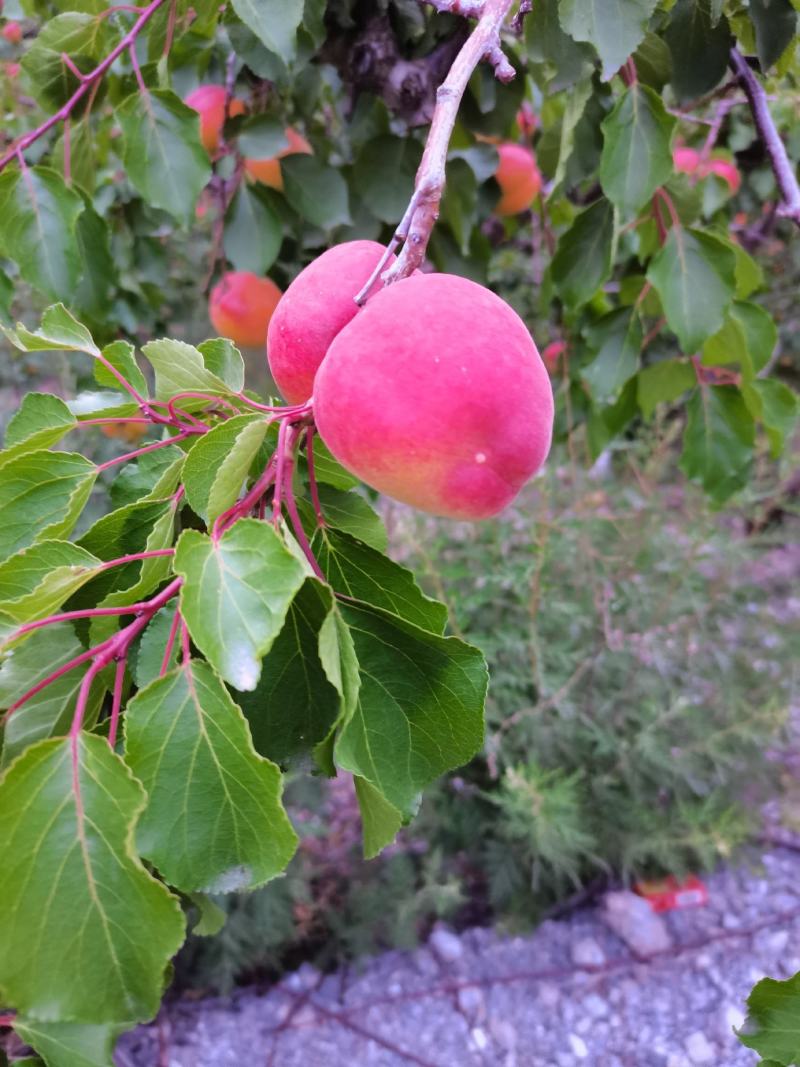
[209,102]
[689,161]
[728,171]
[518,177]
[268,171]
[241,305]
[12,31]
[436,395]
[125,430]
[315,307]
[685,160]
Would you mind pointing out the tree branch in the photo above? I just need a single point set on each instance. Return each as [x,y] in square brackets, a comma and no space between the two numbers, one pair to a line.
[784,171]
[423,210]
[86,83]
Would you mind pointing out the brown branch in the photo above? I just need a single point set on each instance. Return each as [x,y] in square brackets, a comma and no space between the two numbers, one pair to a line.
[423,210]
[782,167]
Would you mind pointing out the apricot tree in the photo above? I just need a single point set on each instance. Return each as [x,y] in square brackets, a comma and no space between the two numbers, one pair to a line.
[233,613]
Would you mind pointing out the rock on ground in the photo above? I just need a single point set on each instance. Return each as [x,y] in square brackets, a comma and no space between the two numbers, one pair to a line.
[571,993]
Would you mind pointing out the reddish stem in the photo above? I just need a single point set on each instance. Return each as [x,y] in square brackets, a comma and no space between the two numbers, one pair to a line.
[76,662]
[662,229]
[116,704]
[208,397]
[186,648]
[65,59]
[142,451]
[137,70]
[297,526]
[312,478]
[673,214]
[284,444]
[68,151]
[227,518]
[173,633]
[88,80]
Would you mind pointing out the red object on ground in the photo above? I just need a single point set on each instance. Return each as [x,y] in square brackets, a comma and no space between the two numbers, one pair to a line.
[668,894]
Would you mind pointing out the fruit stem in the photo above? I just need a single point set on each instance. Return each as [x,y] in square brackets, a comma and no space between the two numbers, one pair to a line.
[312,477]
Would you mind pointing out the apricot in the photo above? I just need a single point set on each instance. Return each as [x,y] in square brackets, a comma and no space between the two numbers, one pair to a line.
[728,171]
[316,306]
[241,305]
[436,395]
[209,102]
[685,160]
[552,354]
[12,31]
[268,171]
[689,161]
[125,430]
[518,177]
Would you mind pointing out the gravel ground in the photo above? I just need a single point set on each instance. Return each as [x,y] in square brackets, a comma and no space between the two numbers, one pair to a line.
[571,993]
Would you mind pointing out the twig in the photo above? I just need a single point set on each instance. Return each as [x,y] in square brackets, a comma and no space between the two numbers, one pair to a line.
[423,210]
[88,80]
[785,176]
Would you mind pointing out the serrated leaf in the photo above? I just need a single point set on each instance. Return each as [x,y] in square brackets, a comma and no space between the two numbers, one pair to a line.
[70,1044]
[351,512]
[76,899]
[583,258]
[181,368]
[773,1020]
[775,23]
[98,268]
[147,656]
[699,47]
[694,275]
[274,22]
[41,496]
[225,828]
[235,595]
[662,383]
[253,231]
[295,705]
[40,421]
[154,476]
[212,916]
[39,579]
[360,572]
[329,470]
[318,193]
[222,358]
[59,331]
[384,175]
[616,340]
[49,712]
[614,27]
[419,710]
[38,216]
[573,113]
[380,821]
[718,441]
[122,356]
[217,466]
[775,405]
[747,337]
[162,153]
[636,157]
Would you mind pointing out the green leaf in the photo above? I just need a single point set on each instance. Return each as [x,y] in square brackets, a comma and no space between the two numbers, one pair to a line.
[351,512]
[49,712]
[329,470]
[38,217]
[60,331]
[384,175]
[718,441]
[773,1020]
[223,358]
[616,340]
[459,209]
[419,710]
[122,356]
[749,274]
[694,274]
[40,421]
[318,193]
[98,268]
[546,43]
[582,262]
[274,22]
[380,821]
[41,496]
[70,1044]
[36,581]
[162,153]
[295,705]
[76,900]
[253,231]
[148,656]
[662,383]
[573,113]
[653,62]
[637,157]
[154,476]
[212,916]
[262,137]
[75,34]
[235,595]
[224,829]
[360,572]
[775,405]
[699,46]
[775,24]
[217,466]
[182,368]
[748,337]
[614,27]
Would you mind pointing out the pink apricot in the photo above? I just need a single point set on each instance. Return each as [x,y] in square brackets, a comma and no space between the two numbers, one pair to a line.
[12,31]
[552,354]
[241,305]
[209,102]
[726,170]
[436,395]
[268,171]
[685,160]
[316,306]
[518,177]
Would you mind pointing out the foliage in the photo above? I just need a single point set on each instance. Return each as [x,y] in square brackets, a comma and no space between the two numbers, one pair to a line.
[772,1022]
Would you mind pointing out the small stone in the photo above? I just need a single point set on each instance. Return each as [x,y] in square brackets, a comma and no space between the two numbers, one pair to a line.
[578,1046]
[479,1038]
[595,1006]
[771,943]
[303,979]
[634,922]
[503,1033]
[549,994]
[472,1004]
[587,953]
[445,945]
[700,1049]
[732,1019]
[425,962]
